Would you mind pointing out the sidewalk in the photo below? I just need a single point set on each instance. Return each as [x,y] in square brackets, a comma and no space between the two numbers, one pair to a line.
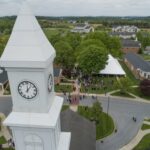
[137,138]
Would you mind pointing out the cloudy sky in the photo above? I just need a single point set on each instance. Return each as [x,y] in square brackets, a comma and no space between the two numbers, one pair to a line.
[79,7]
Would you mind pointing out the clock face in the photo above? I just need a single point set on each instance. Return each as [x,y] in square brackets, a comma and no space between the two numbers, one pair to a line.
[50,83]
[27,90]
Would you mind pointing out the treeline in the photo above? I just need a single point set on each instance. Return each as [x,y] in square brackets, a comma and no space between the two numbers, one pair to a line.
[141,22]
[6,24]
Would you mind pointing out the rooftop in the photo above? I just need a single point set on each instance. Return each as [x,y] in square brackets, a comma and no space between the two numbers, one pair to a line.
[83,132]
[138,62]
[28,44]
[130,43]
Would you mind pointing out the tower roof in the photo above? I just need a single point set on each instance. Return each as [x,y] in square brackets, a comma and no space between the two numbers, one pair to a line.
[28,46]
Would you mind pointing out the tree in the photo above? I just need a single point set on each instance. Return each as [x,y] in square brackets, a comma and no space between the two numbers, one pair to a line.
[124,84]
[96,111]
[92,59]
[64,55]
[145,87]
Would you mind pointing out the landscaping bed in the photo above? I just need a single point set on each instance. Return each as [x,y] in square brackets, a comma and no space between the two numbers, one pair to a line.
[144,143]
[118,93]
[137,92]
[145,127]
[63,88]
[104,126]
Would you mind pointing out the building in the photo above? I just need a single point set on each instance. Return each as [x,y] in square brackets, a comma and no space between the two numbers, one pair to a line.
[83,131]
[3,79]
[126,28]
[57,75]
[124,35]
[147,50]
[139,67]
[130,46]
[83,28]
[28,59]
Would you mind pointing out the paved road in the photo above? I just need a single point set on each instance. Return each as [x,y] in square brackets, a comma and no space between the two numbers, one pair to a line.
[122,112]
[5,105]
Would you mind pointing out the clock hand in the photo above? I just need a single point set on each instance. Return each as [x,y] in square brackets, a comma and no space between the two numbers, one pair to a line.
[28,88]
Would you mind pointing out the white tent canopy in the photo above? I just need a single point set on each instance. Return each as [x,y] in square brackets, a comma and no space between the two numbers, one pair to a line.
[113,67]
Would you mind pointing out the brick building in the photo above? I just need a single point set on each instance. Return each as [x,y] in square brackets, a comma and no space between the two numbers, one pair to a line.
[139,67]
[130,46]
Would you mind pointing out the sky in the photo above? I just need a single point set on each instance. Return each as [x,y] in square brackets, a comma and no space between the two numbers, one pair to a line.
[79,7]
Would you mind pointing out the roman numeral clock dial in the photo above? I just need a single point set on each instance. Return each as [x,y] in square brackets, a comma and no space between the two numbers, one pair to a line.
[27,90]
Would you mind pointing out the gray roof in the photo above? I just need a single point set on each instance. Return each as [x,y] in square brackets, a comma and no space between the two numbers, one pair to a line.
[130,43]
[138,62]
[3,76]
[83,132]
[57,72]
[122,33]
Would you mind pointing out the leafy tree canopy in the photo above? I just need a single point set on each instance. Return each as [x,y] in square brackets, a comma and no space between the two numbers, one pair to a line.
[145,87]
[64,54]
[92,59]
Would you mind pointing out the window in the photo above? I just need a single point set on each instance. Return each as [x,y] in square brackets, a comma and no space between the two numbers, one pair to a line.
[33,142]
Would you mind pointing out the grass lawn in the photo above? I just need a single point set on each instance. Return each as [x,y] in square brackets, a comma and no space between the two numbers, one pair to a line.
[129,74]
[147,120]
[61,88]
[97,89]
[146,57]
[145,127]
[65,107]
[122,95]
[144,143]
[137,92]
[2,140]
[104,127]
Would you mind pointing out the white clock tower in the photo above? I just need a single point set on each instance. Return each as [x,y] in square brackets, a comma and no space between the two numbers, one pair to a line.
[28,59]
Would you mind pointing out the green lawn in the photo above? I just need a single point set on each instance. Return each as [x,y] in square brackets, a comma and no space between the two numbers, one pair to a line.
[129,74]
[61,88]
[144,143]
[137,92]
[2,140]
[95,88]
[147,120]
[145,127]
[146,57]
[122,94]
[65,107]
[104,127]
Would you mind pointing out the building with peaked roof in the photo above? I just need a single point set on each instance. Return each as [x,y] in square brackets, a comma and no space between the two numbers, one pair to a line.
[125,28]
[28,59]
[82,130]
[83,28]
[112,68]
[130,46]
[124,35]
[139,67]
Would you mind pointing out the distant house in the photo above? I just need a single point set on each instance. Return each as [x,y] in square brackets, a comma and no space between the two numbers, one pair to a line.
[124,35]
[83,131]
[3,79]
[147,50]
[83,28]
[130,46]
[57,75]
[127,28]
[139,67]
